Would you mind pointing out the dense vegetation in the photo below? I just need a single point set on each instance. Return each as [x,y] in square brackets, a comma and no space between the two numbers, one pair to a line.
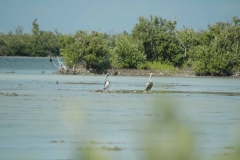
[154,41]
[39,43]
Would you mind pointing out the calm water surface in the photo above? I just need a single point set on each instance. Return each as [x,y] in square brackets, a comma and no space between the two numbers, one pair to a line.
[58,121]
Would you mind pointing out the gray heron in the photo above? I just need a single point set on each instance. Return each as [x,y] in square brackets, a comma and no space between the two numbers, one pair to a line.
[149,83]
[107,82]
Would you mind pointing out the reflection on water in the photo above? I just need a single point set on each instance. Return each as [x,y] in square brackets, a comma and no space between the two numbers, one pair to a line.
[66,120]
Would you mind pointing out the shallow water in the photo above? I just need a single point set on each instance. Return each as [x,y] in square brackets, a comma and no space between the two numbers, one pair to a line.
[59,121]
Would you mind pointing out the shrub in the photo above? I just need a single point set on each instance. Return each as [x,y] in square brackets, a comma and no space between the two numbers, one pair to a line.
[128,53]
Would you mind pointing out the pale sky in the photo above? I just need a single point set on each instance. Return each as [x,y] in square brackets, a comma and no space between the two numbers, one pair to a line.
[69,16]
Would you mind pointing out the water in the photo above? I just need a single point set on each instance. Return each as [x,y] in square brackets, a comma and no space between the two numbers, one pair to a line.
[58,121]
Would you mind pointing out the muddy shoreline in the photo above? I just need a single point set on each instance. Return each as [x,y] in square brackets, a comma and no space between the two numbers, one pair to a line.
[79,70]
[131,72]
[140,72]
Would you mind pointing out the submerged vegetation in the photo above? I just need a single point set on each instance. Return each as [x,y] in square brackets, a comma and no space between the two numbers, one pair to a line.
[167,92]
[154,43]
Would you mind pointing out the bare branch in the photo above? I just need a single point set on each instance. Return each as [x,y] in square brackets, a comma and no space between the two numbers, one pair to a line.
[55,65]
[235,54]
[236,50]
[61,65]
[185,49]
[58,62]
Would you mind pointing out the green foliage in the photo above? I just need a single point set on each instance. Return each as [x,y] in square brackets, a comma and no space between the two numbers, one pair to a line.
[214,51]
[219,57]
[159,40]
[14,44]
[214,62]
[35,29]
[40,43]
[128,53]
[187,38]
[160,66]
[90,49]
[44,42]
[67,50]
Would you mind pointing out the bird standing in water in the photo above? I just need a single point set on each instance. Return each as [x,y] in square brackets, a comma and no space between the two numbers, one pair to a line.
[150,83]
[107,82]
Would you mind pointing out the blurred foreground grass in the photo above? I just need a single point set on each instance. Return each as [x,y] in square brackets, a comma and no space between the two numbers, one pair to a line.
[165,139]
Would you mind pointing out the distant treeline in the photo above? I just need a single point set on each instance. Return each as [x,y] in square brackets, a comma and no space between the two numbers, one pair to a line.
[153,40]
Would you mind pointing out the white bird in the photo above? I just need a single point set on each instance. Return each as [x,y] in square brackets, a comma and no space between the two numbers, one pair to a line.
[150,83]
[107,82]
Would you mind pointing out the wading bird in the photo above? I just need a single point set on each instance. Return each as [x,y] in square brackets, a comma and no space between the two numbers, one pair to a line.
[50,59]
[150,83]
[107,82]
